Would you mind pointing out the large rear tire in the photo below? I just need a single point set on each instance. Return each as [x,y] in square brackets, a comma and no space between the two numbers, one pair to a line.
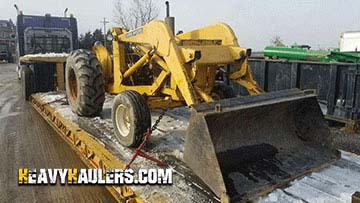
[131,118]
[85,88]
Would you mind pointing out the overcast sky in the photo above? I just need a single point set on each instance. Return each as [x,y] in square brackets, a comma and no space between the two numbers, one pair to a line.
[255,22]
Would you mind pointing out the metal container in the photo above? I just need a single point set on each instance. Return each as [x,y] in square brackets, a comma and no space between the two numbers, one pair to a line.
[337,84]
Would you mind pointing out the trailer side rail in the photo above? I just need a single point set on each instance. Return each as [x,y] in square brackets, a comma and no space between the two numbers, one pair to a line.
[93,154]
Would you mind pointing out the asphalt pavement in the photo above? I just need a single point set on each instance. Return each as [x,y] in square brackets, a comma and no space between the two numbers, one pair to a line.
[27,141]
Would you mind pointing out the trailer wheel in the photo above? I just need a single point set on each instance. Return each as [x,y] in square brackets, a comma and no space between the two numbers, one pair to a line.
[222,91]
[131,118]
[85,88]
[27,82]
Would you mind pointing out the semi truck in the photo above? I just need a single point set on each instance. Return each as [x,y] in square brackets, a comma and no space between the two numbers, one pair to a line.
[44,35]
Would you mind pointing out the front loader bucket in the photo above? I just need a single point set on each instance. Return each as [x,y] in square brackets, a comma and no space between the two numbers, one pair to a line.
[247,146]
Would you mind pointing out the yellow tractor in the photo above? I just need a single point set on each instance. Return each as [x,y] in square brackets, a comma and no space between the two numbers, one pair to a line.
[240,146]
[151,68]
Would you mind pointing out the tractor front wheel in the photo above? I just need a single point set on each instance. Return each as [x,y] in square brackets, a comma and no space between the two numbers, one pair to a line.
[131,118]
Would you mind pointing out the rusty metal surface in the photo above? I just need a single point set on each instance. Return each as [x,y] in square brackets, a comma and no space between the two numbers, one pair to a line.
[250,145]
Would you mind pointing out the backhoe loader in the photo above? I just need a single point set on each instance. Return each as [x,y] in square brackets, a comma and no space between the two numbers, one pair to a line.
[240,147]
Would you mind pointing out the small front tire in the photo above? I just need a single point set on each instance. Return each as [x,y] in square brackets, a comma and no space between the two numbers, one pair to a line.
[131,118]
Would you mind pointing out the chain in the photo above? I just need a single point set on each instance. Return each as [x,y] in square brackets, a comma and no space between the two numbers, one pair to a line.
[147,135]
[160,117]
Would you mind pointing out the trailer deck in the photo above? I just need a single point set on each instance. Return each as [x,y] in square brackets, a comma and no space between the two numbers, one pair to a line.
[95,142]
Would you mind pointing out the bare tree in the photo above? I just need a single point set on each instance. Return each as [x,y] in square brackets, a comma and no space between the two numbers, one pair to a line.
[135,14]
[277,41]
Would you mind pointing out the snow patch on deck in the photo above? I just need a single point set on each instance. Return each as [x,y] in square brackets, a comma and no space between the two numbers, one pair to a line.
[335,183]
[166,141]
[45,55]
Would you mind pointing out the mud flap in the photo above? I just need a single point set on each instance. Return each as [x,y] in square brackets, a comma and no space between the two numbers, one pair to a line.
[247,146]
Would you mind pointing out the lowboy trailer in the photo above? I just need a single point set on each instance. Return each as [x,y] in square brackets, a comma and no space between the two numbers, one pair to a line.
[93,140]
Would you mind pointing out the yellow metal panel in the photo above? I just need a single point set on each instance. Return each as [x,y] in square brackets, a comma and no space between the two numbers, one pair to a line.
[119,65]
[188,54]
[199,42]
[211,79]
[174,94]
[244,78]
[163,103]
[158,82]
[105,61]
[203,95]
[60,76]
[201,76]
[211,54]
[158,34]
[218,31]
[142,89]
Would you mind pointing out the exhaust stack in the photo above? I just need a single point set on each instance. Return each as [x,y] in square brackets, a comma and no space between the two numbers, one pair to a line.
[169,20]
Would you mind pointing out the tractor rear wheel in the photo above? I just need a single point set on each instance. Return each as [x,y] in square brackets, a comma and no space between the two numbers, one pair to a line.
[131,118]
[85,88]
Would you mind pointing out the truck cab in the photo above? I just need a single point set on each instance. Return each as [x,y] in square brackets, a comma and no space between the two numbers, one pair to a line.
[45,35]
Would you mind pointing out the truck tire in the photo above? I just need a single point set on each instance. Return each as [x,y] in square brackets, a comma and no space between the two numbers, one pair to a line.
[131,118]
[27,82]
[222,91]
[85,88]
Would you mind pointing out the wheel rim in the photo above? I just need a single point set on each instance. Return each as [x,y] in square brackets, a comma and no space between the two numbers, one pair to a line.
[122,118]
[73,85]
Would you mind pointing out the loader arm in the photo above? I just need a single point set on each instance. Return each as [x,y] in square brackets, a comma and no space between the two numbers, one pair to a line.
[222,32]
[219,31]
[158,35]
[244,78]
